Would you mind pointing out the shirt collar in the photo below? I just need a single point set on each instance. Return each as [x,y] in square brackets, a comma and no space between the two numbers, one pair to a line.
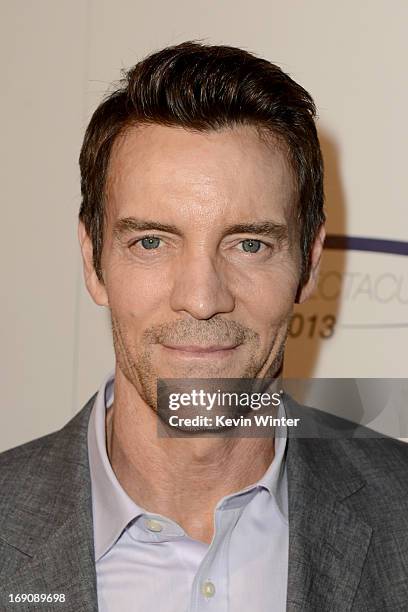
[275,478]
[113,509]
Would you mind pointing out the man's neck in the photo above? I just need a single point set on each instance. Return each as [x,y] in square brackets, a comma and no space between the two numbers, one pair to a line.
[181,478]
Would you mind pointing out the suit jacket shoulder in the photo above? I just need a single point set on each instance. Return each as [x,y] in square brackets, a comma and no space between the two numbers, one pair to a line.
[348,517]
[46,539]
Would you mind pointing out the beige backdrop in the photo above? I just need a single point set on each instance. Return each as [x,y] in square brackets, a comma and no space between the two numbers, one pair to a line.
[58,58]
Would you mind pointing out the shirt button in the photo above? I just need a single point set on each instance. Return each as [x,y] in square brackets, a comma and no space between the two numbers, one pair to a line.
[208,589]
[154,525]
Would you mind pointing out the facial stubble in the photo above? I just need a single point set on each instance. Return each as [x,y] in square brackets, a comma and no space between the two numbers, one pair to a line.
[135,361]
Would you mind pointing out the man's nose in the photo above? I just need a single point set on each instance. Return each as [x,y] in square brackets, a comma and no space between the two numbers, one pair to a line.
[200,288]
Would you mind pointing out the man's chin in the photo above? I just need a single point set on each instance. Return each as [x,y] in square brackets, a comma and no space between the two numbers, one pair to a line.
[202,370]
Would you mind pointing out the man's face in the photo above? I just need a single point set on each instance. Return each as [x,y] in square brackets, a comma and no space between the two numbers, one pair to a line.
[201,259]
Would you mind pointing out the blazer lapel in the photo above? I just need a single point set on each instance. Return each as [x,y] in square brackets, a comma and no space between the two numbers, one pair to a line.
[328,542]
[56,537]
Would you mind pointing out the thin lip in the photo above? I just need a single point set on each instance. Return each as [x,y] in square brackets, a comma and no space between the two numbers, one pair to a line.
[200,349]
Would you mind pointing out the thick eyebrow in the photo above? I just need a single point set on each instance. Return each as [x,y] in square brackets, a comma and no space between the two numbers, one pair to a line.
[278,231]
[132,224]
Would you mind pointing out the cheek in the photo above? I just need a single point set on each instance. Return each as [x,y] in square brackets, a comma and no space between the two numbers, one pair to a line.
[136,293]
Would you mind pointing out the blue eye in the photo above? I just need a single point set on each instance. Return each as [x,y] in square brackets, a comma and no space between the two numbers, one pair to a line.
[251,246]
[150,242]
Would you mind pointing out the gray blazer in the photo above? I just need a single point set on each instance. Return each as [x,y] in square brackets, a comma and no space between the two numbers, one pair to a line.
[348,520]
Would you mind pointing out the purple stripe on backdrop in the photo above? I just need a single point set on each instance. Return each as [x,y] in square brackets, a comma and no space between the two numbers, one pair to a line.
[373,245]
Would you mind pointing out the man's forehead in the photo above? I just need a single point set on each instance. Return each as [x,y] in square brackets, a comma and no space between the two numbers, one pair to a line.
[139,145]
[230,167]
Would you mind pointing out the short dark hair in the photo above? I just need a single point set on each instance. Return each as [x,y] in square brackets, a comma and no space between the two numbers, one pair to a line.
[206,87]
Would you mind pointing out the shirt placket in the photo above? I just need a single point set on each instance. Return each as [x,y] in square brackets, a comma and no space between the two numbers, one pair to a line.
[210,591]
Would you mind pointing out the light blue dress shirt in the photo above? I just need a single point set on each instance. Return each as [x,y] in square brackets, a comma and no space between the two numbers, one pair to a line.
[146,562]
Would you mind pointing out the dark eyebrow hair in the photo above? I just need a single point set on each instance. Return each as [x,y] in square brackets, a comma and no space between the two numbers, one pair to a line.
[278,231]
[132,224]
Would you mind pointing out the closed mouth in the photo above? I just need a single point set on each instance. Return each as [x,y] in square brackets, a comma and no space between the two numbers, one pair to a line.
[190,348]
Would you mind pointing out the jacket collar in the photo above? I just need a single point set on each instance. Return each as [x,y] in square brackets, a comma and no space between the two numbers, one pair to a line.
[328,540]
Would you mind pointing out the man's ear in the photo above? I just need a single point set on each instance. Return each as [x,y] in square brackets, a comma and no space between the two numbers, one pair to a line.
[316,255]
[95,287]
